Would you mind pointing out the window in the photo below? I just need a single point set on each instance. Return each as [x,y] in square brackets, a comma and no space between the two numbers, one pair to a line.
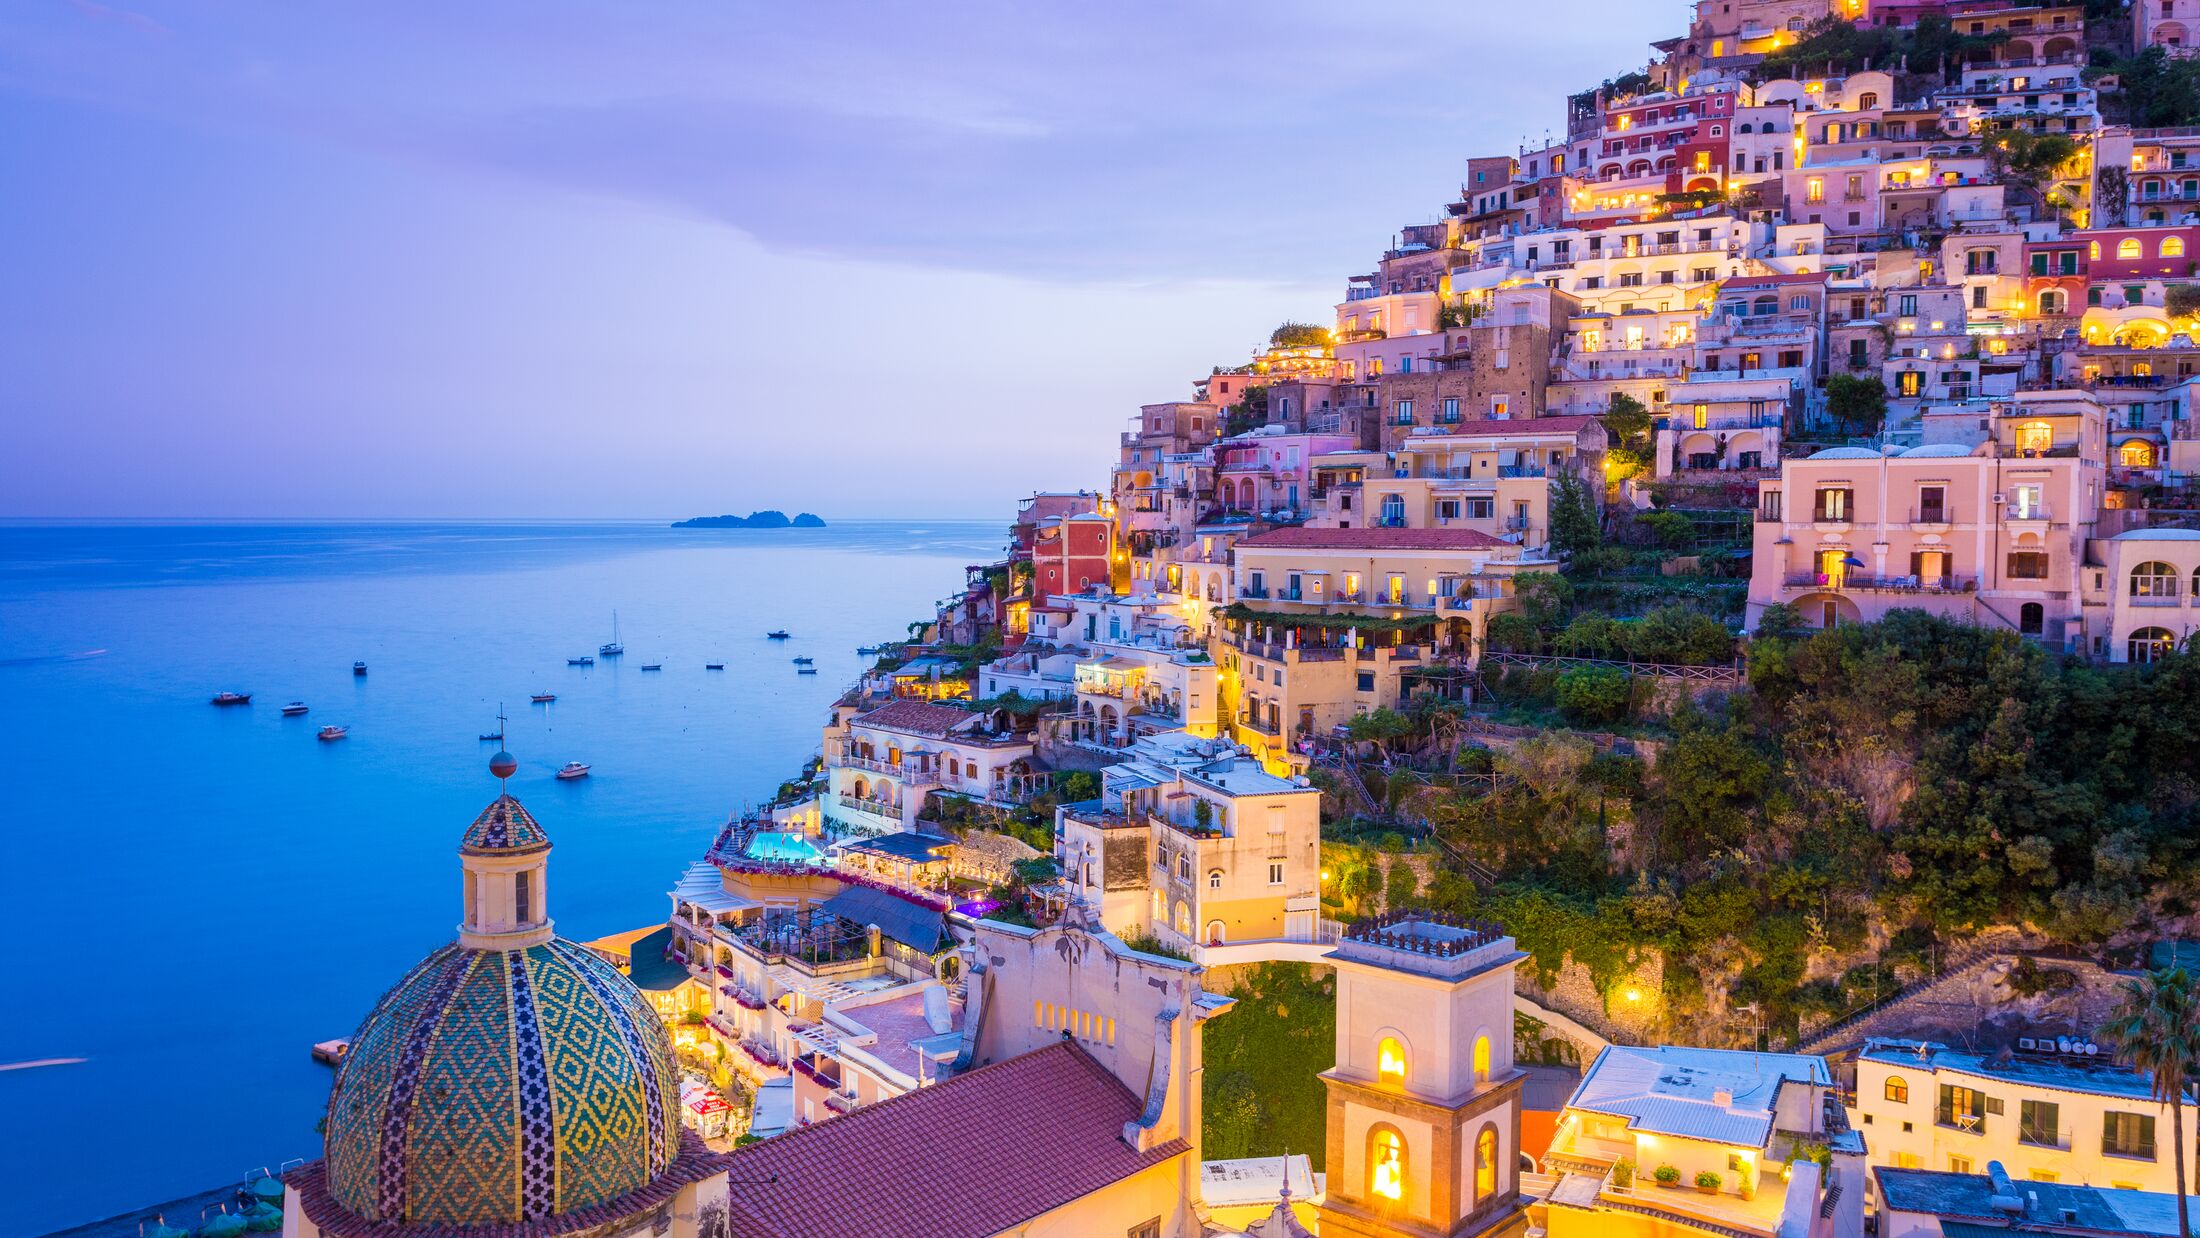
[2128,248]
[1481,1059]
[1275,867]
[1898,1089]
[2035,436]
[2173,247]
[2154,580]
[1184,867]
[1451,409]
[1366,681]
[2147,645]
[1485,1164]
[1964,1108]
[1702,416]
[1833,504]
[2039,1122]
[1390,1061]
[2027,565]
[2136,454]
[2127,1134]
[1144,1229]
[1386,1163]
[523,900]
[1214,879]
[1405,412]
[1815,190]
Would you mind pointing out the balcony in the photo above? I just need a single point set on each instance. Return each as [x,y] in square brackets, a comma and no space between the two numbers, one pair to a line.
[1854,582]
[2169,598]
[1933,515]
[1520,470]
[877,808]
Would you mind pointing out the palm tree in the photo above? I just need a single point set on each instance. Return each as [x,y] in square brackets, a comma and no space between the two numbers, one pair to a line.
[2156,1030]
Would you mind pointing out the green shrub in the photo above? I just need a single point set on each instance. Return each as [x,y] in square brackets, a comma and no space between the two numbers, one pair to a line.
[1666,1175]
[1708,1180]
[1593,694]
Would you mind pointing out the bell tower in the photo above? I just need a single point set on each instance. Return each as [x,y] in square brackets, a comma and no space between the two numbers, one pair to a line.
[505,863]
[1424,1101]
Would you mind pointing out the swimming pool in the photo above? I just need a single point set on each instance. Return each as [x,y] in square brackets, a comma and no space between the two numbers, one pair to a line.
[792,848]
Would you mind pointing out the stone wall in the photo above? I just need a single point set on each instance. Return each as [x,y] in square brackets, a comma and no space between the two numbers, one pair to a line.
[1973,1007]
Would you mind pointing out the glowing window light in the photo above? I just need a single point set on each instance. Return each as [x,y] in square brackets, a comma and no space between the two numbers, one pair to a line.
[1388,1178]
[1390,1061]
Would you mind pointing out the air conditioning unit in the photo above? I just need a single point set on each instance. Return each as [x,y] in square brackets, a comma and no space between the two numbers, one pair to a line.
[2001,498]
[2026,1042]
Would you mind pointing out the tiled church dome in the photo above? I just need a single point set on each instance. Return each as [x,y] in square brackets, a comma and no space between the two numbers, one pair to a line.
[493,1087]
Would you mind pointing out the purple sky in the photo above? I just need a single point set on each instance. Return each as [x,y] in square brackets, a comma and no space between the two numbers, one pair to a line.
[533,258]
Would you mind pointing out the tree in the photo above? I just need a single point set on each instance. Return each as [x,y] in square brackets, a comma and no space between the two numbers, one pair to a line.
[1573,518]
[2182,300]
[1859,403]
[1298,335]
[1671,529]
[2156,1029]
[1402,886]
[1629,421]
[1380,727]
[1594,694]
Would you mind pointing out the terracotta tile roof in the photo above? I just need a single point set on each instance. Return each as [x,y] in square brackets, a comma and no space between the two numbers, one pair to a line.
[1512,428]
[1372,539]
[918,718]
[978,1154]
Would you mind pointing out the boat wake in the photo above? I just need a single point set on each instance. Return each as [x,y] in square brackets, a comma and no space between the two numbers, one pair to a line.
[54,657]
[44,1061]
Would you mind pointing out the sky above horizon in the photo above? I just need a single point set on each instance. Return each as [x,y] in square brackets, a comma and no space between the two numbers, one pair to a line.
[552,259]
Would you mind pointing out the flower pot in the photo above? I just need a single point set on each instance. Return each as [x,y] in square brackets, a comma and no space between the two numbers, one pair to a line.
[1707,1190]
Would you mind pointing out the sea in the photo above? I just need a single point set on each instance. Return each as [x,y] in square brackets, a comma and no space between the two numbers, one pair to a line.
[191,896]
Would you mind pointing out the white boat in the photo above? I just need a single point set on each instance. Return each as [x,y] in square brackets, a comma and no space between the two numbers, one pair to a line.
[293,709]
[330,734]
[614,649]
[583,660]
[573,769]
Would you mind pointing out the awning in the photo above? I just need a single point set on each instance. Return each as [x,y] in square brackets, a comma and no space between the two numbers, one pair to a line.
[704,887]
[916,927]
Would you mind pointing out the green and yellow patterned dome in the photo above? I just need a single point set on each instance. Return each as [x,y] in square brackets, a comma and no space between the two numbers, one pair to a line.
[493,1087]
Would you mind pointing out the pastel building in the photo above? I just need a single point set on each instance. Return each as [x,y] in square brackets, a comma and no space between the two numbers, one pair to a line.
[1489,477]
[1993,532]
[2143,598]
[882,764]
[2046,1116]
[1714,1140]
[1194,842]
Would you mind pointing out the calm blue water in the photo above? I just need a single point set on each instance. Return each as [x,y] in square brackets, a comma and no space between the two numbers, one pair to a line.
[191,896]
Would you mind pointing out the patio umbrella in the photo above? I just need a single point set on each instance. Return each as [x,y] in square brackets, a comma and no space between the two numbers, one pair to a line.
[1851,561]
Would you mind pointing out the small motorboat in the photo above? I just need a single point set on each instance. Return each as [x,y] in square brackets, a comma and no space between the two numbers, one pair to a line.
[804,661]
[868,651]
[805,670]
[330,734]
[583,660]
[331,1052]
[359,668]
[776,635]
[653,666]
[714,666]
[543,698]
[294,709]
[613,648]
[232,698]
[493,739]
[571,770]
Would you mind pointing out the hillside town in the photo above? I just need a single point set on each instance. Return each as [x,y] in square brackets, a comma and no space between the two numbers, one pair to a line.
[1493,761]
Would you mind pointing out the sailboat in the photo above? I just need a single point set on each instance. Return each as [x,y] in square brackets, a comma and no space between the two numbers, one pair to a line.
[614,649]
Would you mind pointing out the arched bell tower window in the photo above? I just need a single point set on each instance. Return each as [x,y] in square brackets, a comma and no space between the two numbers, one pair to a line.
[1386,1163]
[1390,1061]
[1485,1164]
[1481,1059]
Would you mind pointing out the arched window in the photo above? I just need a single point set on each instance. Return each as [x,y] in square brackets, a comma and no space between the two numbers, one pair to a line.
[2031,619]
[2154,580]
[1214,879]
[2051,302]
[1184,867]
[1386,1163]
[1214,932]
[2128,247]
[1481,1059]
[1898,1089]
[2137,454]
[2094,251]
[1394,509]
[1160,907]
[1867,101]
[2173,247]
[1183,920]
[2147,644]
[1390,1061]
[1485,1164]
[1745,128]
[1765,305]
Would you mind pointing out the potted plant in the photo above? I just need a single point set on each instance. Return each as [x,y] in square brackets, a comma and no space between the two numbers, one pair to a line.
[1708,1182]
[1667,1175]
[1623,1173]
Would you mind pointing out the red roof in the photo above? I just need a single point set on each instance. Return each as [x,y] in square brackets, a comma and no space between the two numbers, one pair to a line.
[1501,428]
[1372,539]
[978,1154]
[917,718]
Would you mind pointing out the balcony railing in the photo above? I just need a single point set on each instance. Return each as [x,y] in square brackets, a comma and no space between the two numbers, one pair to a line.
[880,808]
[1859,583]
[1933,515]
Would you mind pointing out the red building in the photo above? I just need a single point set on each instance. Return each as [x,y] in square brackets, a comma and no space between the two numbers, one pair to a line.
[1041,508]
[2117,254]
[1073,553]
[2055,276]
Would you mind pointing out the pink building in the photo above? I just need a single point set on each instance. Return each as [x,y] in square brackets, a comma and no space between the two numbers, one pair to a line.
[1265,472]
[1992,533]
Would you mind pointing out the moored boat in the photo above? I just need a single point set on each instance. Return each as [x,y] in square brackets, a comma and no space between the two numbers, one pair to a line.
[497,738]
[653,666]
[358,668]
[804,661]
[776,634]
[613,648]
[329,734]
[294,709]
[571,770]
[805,670]
[543,698]
[583,660]
[232,698]
[867,651]
[714,666]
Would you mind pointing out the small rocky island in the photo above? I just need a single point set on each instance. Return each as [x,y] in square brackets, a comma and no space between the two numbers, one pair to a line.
[754,520]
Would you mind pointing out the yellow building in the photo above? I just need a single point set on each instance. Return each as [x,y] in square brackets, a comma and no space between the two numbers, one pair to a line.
[1333,623]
